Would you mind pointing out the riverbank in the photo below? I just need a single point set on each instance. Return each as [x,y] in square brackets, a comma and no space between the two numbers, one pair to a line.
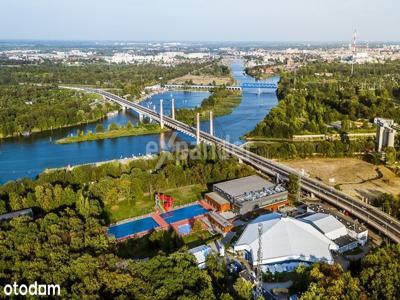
[113,133]
[37,130]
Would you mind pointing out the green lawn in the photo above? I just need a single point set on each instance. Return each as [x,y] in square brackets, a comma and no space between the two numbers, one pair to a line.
[126,209]
[187,194]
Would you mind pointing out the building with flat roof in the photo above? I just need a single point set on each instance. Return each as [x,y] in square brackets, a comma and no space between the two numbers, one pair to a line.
[354,229]
[327,224]
[200,253]
[251,193]
[333,229]
[217,202]
[223,225]
[285,241]
[385,133]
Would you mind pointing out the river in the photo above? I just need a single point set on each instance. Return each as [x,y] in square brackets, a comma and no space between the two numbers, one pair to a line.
[29,156]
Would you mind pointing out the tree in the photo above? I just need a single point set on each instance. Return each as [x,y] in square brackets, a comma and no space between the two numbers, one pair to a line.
[113,126]
[217,271]
[380,275]
[244,289]
[197,227]
[391,155]
[294,184]
[83,205]
[99,128]
[345,125]
[129,125]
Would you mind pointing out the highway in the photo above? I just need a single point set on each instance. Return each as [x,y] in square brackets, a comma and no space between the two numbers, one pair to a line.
[366,213]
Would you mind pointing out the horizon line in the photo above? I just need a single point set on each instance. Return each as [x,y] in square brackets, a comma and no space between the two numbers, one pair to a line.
[192,41]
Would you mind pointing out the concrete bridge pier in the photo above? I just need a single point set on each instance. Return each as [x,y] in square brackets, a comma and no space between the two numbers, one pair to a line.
[173,108]
[197,129]
[211,123]
[140,117]
[161,114]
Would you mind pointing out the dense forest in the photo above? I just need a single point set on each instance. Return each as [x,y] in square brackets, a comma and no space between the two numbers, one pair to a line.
[215,69]
[131,79]
[29,108]
[221,102]
[320,93]
[291,150]
[376,277]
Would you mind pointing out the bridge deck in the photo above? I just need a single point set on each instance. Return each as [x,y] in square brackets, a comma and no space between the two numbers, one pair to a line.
[376,218]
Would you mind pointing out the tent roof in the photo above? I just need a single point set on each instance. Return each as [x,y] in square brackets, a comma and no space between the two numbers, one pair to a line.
[285,238]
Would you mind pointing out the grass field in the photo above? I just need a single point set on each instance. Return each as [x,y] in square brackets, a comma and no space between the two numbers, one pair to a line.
[354,176]
[203,80]
[125,209]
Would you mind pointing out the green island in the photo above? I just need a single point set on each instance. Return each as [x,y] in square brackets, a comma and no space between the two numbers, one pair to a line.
[114,131]
[221,102]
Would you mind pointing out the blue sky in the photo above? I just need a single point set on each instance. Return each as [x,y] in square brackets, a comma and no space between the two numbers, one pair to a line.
[205,20]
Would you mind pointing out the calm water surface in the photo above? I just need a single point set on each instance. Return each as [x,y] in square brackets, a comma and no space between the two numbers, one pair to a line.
[28,156]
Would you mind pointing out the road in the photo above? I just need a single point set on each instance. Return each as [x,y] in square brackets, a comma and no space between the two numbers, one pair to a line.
[368,214]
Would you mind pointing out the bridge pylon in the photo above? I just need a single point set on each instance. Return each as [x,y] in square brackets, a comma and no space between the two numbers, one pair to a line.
[197,129]
[211,123]
[173,108]
[161,114]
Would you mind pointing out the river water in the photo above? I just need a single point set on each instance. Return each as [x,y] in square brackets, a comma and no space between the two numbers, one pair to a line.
[28,156]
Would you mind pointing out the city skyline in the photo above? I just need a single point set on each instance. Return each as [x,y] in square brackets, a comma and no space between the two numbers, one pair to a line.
[255,20]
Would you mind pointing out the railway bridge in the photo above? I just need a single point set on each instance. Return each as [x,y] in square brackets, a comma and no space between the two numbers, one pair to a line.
[265,87]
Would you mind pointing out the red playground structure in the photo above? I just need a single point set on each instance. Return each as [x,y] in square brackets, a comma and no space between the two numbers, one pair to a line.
[164,202]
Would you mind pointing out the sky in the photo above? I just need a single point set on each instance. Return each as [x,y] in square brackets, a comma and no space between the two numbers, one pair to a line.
[200,20]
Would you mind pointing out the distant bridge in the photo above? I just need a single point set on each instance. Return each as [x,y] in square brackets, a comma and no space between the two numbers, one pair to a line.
[266,87]
[201,87]
[259,85]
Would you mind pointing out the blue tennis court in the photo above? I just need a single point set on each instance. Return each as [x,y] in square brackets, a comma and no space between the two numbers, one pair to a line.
[180,214]
[132,227]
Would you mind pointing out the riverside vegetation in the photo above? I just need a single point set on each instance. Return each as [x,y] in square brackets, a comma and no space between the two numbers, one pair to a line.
[30,108]
[221,102]
[114,131]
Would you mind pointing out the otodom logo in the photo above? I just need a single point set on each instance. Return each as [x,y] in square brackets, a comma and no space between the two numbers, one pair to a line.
[33,289]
